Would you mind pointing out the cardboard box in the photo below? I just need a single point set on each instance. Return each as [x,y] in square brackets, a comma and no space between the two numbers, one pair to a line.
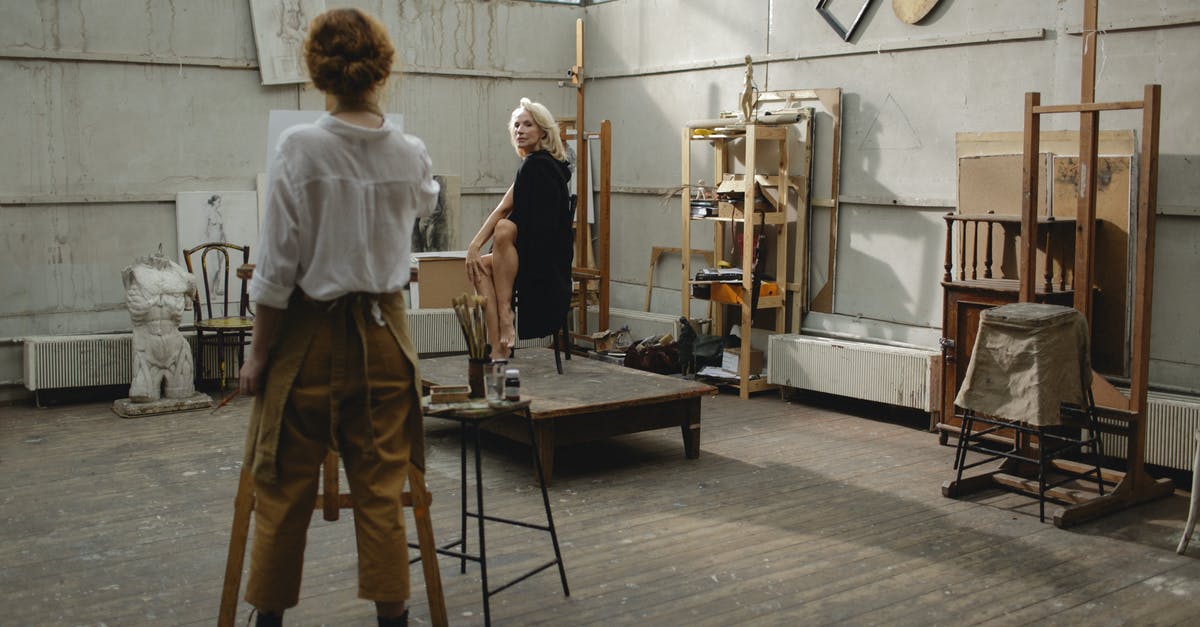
[441,276]
[731,357]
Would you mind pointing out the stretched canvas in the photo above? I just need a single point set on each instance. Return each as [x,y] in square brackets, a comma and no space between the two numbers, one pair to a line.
[202,217]
[279,120]
[279,30]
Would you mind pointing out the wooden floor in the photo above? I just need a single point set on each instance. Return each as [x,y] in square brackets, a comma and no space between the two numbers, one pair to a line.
[794,514]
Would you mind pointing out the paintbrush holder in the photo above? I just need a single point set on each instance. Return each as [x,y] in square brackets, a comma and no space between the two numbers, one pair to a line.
[475,369]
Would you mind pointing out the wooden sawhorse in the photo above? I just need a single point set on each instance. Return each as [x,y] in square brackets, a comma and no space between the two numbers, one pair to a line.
[330,502]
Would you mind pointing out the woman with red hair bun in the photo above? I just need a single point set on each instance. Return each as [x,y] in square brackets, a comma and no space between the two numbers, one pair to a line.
[331,362]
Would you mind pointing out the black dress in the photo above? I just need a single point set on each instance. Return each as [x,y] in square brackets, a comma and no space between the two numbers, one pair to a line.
[545,244]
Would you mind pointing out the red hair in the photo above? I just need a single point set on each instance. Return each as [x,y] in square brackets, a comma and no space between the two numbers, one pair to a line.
[348,53]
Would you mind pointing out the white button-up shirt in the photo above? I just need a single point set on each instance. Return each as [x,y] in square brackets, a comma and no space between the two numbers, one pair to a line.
[341,203]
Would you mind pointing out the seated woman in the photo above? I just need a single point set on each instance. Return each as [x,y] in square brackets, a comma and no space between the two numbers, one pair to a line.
[532,241]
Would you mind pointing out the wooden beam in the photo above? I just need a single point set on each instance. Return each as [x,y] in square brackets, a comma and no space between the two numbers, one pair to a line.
[1139,382]
[602,220]
[1087,79]
[1085,213]
[1084,107]
[1029,199]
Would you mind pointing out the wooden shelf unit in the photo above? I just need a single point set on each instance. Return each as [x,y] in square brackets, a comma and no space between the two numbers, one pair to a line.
[753,218]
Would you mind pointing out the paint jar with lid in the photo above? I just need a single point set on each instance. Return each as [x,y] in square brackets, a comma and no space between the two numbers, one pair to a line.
[512,385]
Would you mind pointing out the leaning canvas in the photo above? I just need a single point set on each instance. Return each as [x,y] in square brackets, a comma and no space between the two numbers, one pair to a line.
[202,217]
[279,30]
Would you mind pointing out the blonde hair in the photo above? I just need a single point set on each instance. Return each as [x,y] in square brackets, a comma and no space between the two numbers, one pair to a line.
[551,141]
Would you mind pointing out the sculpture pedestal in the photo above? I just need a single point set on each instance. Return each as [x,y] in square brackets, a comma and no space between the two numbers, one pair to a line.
[126,408]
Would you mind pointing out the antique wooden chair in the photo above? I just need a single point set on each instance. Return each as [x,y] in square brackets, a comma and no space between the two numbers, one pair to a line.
[223,318]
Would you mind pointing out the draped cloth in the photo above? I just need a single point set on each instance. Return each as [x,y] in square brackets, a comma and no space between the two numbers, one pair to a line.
[1028,359]
[545,244]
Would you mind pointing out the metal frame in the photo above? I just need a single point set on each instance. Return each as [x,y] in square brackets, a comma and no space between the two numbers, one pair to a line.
[843,32]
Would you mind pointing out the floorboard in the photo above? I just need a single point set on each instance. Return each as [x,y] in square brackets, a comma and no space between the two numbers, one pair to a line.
[813,510]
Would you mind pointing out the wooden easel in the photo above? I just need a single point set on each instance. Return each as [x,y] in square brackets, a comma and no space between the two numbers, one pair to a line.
[330,502]
[589,268]
[1123,415]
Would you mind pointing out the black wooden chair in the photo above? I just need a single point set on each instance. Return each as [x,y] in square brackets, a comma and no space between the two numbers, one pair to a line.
[223,318]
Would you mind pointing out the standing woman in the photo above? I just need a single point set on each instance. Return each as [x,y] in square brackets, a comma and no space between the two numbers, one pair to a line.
[331,363]
[531,236]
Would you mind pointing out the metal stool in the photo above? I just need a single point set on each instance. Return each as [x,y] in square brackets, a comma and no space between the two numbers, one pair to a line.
[475,415]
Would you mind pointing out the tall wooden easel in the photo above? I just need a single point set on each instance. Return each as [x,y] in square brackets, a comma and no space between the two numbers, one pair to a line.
[1125,416]
[589,268]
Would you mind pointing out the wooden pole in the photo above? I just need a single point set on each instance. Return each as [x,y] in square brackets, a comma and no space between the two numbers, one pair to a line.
[602,219]
[1139,383]
[1089,132]
[583,234]
[1029,199]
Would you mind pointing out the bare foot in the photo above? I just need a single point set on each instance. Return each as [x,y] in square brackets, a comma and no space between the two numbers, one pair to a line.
[508,335]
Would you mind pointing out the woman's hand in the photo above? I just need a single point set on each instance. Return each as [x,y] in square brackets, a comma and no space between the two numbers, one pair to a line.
[251,374]
[474,264]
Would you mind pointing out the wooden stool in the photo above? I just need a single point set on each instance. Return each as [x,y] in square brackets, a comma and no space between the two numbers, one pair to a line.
[330,501]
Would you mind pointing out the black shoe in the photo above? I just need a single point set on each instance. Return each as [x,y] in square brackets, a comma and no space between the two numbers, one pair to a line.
[262,619]
[394,621]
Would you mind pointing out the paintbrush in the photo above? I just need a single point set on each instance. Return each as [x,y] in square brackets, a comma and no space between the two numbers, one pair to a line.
[225,401]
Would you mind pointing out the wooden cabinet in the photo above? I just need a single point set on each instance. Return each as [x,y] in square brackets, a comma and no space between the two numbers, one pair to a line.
[970,284]
[758,206]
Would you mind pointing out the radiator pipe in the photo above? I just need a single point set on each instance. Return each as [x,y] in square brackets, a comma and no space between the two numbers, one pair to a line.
[850,337]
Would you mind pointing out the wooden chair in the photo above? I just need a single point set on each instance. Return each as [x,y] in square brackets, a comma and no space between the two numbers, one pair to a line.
[329,502]
[223,318]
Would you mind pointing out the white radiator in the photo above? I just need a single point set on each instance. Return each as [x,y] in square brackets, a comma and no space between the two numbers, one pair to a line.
[872,372]
[78,361]
[641,323]
[1169,441]
[436,331]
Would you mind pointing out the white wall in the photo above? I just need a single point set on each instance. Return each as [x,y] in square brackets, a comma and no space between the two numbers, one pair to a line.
[111,108]
[907,91]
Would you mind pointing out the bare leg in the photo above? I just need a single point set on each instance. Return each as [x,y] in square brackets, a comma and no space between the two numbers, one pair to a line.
[504,273]
[485,287]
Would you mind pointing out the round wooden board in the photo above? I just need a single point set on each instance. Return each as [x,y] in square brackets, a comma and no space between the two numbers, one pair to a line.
[913,11]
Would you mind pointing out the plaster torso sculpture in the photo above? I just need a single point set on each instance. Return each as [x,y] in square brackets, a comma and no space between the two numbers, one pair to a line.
[156,291]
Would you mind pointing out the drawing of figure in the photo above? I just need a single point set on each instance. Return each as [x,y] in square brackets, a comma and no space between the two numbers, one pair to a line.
[292,24]
[214,231]
[156,290]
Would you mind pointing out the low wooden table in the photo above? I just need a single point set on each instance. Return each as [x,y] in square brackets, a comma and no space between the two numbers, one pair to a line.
[590,401]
